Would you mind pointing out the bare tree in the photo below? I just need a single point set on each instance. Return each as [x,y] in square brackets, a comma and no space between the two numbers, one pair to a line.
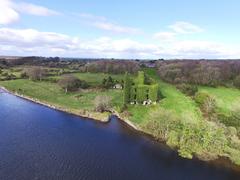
[35,73]
[102,103]
[69,82]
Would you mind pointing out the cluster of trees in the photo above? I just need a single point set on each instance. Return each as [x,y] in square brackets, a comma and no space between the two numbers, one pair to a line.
[113,67]
[110,82]
[187,89]
[204,139]
[72,83]
[52,62]
[34,73]
[200,72]
[4,76]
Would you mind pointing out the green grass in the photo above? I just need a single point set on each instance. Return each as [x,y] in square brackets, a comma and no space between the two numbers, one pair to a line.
[175,101]
[93,79]
[52,93]
[96,79]
[226,98]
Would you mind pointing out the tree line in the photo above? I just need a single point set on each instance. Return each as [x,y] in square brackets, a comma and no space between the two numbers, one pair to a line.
[201,72]
[113,67]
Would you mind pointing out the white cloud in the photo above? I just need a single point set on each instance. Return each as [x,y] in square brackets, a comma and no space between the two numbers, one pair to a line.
[185,28]
[177,29]
[10,11]
[103,23]
[8,15]
[33,9]
[33,42]
[115,28]
[165,36]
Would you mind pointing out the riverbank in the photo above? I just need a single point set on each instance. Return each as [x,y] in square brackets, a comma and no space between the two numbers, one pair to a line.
[221,161]
[194,137]
[102,117]
[105,118]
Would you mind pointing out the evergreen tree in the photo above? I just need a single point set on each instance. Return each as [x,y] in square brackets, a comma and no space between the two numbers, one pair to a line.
[127,89]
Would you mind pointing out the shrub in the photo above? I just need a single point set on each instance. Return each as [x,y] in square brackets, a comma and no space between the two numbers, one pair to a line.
[207,103]
[232,119]
[160,123]
[188,89]
[209,106]
[237,81]
[201,97]
[23,75]
[108,82]
[102,103]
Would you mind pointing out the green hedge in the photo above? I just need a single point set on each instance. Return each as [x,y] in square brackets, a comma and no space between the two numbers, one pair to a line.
[141,78]
[153,92]
[142,91]
[127,89]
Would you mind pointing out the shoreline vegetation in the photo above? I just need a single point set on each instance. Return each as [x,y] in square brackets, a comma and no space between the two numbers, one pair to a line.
[197,115]
[220,161]
[101,117]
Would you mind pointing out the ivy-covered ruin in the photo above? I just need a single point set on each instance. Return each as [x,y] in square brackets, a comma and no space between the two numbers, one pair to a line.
[142,90]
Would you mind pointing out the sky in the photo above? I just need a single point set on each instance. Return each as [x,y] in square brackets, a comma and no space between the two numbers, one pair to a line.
[136,29]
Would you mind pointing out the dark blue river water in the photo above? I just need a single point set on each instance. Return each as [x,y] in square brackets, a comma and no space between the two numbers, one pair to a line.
[40,143]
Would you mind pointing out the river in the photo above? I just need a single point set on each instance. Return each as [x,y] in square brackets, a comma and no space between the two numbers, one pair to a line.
[38,143]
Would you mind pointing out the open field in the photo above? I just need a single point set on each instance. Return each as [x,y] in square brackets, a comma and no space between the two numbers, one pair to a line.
[173,100]
[52,93]
[227,98]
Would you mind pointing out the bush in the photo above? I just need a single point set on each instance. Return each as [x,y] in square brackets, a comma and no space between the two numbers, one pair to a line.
[108,82]
[102,103]
[188,89]
[203,139]
[232,119]
[237,81]
[23,75]
[160,123]
[207,103]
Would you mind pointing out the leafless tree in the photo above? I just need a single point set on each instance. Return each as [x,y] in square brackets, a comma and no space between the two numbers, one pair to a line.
[102,103]
[69,82]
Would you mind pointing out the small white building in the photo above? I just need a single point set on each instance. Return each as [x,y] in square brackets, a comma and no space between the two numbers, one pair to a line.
[117,86]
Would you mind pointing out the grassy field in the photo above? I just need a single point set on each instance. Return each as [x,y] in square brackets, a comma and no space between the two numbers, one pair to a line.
[15,71]
[173,100]
[52,93]
[93,79]
[97,78]
[226,98]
